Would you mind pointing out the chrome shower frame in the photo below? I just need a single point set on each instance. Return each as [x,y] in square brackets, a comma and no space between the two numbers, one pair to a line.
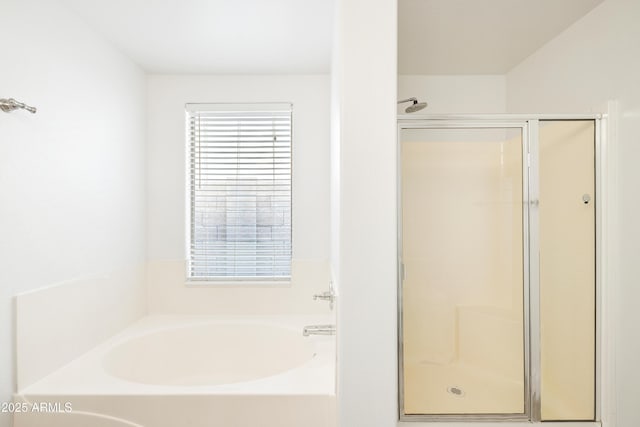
[529,127]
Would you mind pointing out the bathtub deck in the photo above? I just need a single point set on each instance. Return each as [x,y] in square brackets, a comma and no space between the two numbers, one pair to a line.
[304,395]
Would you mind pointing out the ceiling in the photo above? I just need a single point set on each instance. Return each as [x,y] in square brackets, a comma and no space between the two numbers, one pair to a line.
[478,36]
[216,36]
[295,36]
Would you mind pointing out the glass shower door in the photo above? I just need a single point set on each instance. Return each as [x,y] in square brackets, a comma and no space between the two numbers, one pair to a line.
[463,275]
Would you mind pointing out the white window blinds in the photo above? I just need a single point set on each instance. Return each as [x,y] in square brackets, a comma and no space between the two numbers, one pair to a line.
[240,191]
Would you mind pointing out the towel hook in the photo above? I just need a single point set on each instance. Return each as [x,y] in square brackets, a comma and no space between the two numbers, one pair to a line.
[9,105]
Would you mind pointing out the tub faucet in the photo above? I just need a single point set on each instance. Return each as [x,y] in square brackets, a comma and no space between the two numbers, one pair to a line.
[319,330]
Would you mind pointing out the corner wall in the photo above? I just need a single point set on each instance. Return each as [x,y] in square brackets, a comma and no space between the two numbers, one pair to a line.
[72,176]
[364,231]
[594,61]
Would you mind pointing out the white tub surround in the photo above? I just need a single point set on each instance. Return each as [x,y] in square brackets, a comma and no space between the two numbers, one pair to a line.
[64,320]
[170,293]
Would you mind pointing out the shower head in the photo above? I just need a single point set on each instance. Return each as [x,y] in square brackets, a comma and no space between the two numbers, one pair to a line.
[415,106]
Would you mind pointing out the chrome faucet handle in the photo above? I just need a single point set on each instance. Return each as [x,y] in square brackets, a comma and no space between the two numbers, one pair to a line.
[326,296]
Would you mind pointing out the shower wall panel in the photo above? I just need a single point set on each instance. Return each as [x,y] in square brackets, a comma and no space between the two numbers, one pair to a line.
[567,269]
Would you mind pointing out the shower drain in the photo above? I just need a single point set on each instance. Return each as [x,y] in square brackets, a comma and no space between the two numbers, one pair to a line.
[456,391]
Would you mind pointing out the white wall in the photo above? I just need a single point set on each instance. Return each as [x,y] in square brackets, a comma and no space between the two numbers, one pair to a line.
[455,93]
[72,175]
[364,93]
[594,61]
[167,96]
[363,179]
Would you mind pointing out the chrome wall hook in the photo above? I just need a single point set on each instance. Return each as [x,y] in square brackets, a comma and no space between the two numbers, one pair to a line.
[9,105]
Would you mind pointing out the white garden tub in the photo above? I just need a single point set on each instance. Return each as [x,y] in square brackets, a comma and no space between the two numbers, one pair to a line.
[194,371]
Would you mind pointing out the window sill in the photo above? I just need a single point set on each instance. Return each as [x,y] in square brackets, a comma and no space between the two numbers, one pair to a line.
[238,284]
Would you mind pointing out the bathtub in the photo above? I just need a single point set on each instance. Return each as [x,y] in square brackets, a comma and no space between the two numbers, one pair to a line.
[174,371]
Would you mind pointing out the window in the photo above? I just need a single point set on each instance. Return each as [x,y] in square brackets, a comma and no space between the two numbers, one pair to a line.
[240,191]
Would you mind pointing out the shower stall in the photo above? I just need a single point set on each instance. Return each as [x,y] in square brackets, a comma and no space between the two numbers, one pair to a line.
[498,229]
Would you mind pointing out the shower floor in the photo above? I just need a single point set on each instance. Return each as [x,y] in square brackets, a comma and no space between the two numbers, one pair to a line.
[431,389]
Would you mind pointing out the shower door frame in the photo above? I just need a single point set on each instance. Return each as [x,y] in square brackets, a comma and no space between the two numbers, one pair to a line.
[529,125]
